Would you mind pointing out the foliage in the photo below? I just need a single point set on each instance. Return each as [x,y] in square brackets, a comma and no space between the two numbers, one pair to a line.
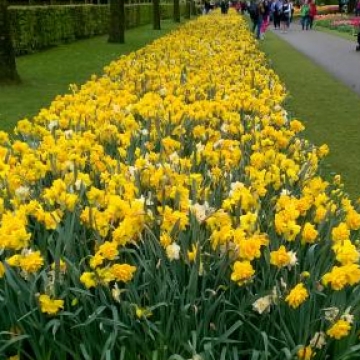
[39,27]
[170,210]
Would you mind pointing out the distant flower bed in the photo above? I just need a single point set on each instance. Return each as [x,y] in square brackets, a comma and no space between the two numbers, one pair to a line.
[321,10]
[171,209]
[339,22]
[327,9]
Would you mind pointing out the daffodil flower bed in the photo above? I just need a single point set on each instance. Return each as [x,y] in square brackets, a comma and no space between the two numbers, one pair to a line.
[170,209]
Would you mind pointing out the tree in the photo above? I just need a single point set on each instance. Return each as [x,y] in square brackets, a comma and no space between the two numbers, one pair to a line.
[156,15]
[8,73]
[117,21]
[177,11]
[188,9]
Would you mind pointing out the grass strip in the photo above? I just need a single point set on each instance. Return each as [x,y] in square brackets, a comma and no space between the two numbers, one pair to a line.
[329,110]
[48,74]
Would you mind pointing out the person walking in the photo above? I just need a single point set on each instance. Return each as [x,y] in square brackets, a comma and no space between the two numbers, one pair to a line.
[312,13]
[285,16]
[304,13]
[256,12]
[266,16]
[357,8]
[276,7]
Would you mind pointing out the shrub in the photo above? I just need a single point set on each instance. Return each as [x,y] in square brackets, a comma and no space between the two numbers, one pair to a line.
[39,27]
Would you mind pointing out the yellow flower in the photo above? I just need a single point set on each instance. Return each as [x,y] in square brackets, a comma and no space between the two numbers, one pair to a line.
[297,296]
[309,233]
[142,312]
[62,266]
[108,250]
[123,272]
[15,357]
[2,269]
[339,330]
[280,257]
[14,260]
[165,239]
[31,262]
[340,276]
[340,232]
[96,260]
[192,254]
[249,247]
[105,275]
[88,279]
[305,353]
[346,252]
[353,220]
[49,306]
[242,272]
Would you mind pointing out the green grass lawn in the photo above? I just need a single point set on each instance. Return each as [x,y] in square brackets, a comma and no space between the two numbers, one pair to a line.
[329,110]
[49,73]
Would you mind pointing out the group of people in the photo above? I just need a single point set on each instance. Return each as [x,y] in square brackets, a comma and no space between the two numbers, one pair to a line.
[280,12]
[308,13]
[262,12]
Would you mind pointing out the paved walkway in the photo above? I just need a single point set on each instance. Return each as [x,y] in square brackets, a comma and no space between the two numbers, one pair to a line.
[335,54]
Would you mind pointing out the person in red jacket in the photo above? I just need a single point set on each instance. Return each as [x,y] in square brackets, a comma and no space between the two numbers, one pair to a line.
[312,13]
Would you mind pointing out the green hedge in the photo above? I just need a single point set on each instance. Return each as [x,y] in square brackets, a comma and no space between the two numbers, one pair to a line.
[36,28]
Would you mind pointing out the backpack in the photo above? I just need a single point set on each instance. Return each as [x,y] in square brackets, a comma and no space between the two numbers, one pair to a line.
[285,10]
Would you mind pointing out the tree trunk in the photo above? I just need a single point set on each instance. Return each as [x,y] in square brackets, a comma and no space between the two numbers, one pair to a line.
[156,15]
[117,21]
[177,11]
[194,10]
[188,9]
[8,73]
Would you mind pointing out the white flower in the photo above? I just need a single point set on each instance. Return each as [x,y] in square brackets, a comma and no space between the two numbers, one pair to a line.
[218,144]
[22,192]
[68,134]
[285,192]
[116,108]
[262,304]
[197,357]
[174,157]
[132,171]
[224,128]
[318,341]
[162,91]
[331,313]
[53,124]
[274,295]
[173,252]
[78,184]
[293,259]
[199,147]
[235,186]
[347,316]
[199,211]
